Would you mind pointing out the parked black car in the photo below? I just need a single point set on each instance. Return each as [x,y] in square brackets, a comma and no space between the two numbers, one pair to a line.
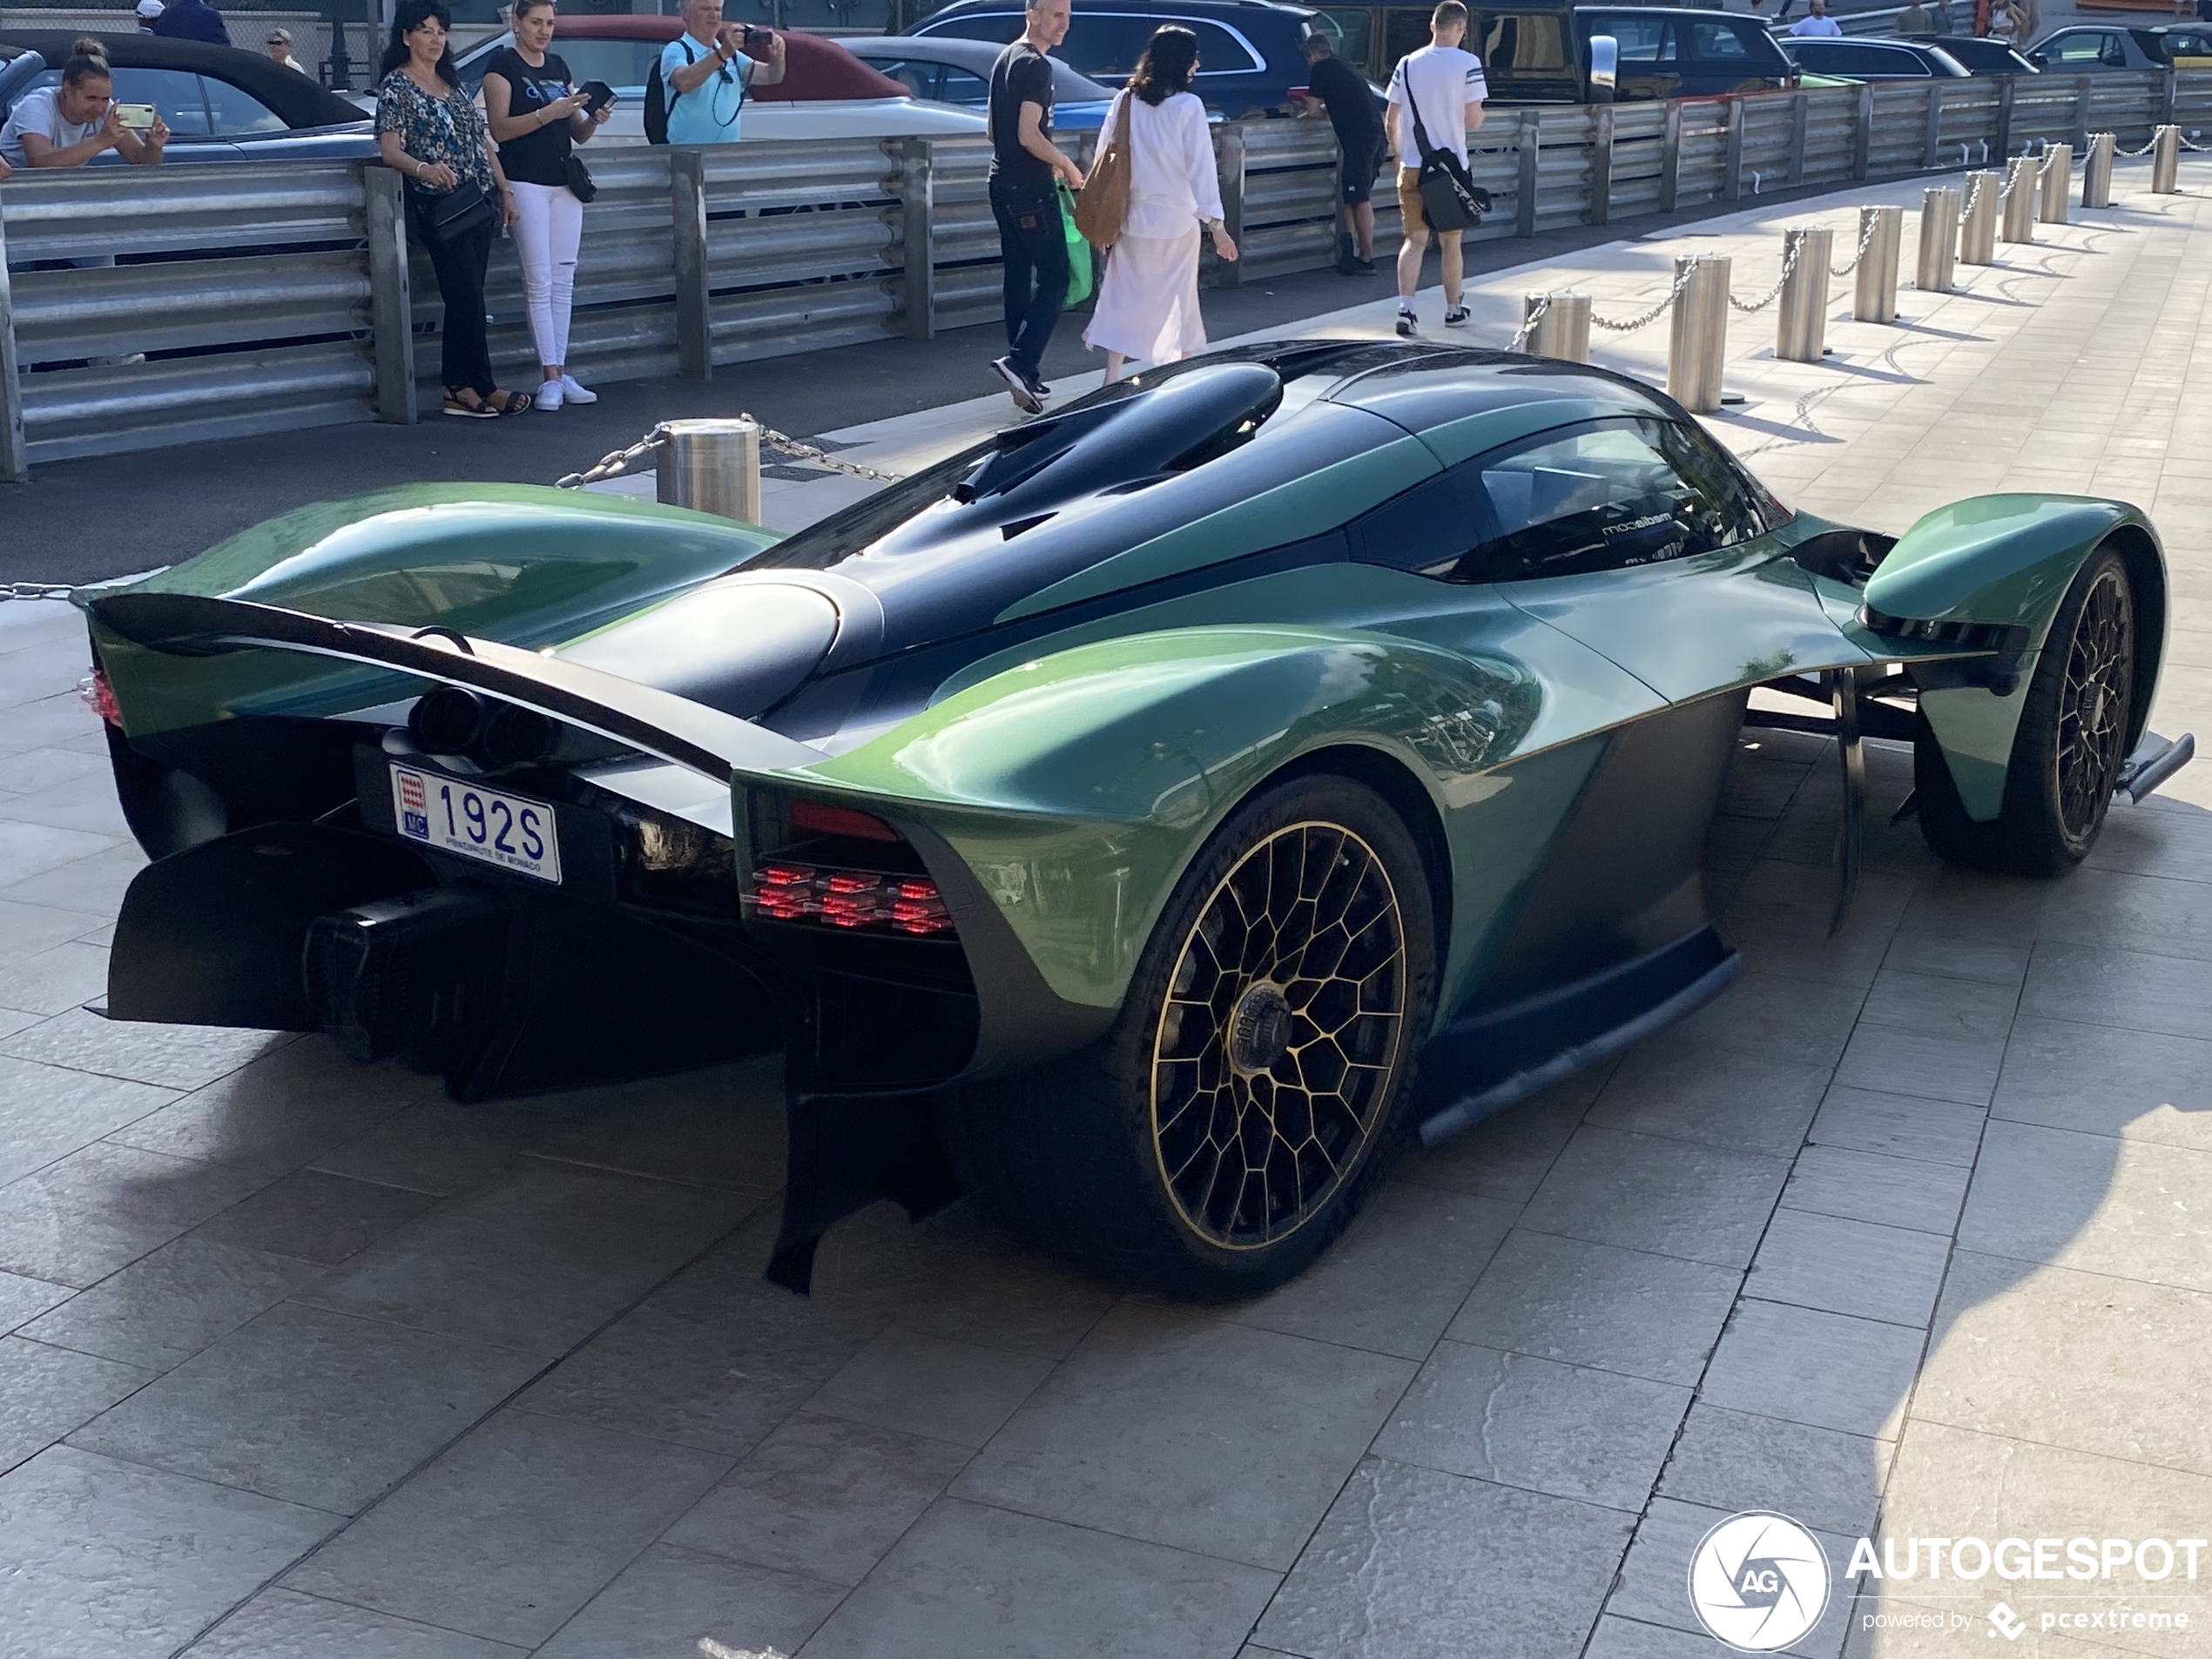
[2086,48]
[1979,55]
[1875,60]
[220,104]
[1250,51]
[1665,52]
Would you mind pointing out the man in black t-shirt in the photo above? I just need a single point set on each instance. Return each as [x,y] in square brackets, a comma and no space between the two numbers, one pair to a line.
[1343,90]
[1024,167]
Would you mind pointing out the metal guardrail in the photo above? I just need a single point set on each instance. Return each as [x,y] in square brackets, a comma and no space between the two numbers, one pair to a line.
[263,297]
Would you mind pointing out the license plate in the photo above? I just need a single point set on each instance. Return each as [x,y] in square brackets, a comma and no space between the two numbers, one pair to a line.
[456,817]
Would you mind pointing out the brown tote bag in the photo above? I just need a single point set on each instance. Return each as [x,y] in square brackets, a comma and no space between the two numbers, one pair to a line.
[1102,203]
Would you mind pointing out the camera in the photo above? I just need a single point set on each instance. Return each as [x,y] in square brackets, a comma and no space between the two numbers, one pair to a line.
[752,35]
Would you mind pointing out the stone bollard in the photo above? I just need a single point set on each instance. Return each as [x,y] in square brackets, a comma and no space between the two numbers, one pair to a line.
[1699,342]
[2096,173]
[1978,228]
[2058,173]
[1938,240]
[1874,297]
[1563,330]
[2165,162]
[712,466]
[2020,201]
[1801,318]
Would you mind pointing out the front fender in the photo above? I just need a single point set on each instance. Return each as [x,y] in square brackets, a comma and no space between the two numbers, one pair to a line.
[1078,787]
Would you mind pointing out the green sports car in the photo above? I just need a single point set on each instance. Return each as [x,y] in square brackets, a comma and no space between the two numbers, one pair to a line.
[1146,818]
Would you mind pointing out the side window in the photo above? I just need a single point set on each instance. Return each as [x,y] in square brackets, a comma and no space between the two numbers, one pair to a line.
[1605,495]
[2115,52]
[1405,28]
[1717,42]
[1219,51]
[236,112]
[1640,38]
[1105,44]
[173,92]
[1429,529]
[2087,47]
[958,85]
[1000,28]
[1528,41]
[1347,29]
[918,80]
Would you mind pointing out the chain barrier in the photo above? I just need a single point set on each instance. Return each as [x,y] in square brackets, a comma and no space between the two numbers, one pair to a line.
[1789,269]
[1973,195]
[1644,317]
[1528,323]
[1865,242]
[60,590]
[2186,144]
[617,462]
[2145,151]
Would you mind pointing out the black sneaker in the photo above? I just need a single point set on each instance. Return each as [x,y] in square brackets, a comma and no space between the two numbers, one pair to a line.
[1366,268]
[1024,390]
[1456,317]
[1406,325]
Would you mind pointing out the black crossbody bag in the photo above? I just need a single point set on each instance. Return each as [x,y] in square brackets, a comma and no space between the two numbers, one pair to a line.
[459,212]
[1451,200]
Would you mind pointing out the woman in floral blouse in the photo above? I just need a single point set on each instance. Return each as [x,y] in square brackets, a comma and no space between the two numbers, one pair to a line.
[429,130]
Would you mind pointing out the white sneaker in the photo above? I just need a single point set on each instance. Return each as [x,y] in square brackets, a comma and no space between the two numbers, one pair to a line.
[574,391]
[547,396]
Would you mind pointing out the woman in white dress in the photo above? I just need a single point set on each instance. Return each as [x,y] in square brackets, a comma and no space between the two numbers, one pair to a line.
[1148,306]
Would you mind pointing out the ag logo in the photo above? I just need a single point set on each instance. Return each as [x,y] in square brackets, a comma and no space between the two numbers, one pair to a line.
[1758,1581]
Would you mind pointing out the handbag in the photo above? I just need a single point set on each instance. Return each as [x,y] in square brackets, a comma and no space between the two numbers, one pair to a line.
[460,213]
[1082,276]
[1102,204]
[1451,200]
[578,178]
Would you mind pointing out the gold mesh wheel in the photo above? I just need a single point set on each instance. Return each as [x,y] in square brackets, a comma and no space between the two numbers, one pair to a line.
[2092,705]
[1282,1032]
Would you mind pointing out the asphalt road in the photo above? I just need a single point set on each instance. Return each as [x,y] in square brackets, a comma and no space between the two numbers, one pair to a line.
[83,521]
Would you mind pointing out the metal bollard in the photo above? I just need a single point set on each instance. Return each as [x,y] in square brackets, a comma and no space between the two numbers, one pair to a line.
[1801,320]
[1564,329]
[2020,201]
[1698,341]
[1978,229]
[2058,173]
[2096,173]
[1938,240]
[2165,162]
[711,466]
[1874,299]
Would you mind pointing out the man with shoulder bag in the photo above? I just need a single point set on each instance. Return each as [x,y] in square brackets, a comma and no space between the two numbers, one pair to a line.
[695,93]
[1436,96]
[1026,172]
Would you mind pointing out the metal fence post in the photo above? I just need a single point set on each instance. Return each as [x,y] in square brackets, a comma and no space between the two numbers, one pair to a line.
[391,302]
[2081,97]
[1562,329]
[1932,135]
[1669,155]
[1874,296]
[2001,145]
[1531,142]
[918,238]
[1938,240]
[1229,162]
[2020,201]
[1601,166]
[687,220]
[1801,320]
[711,466]
[1978,225]
[1732,170]
[14,465]
[2170,93]
[2166,161]
[1697,344]
[2058,174]
[1800,118]
[2096,171]
[1862,140]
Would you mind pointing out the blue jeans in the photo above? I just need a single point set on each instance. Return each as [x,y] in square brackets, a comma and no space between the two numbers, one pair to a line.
[1033,240]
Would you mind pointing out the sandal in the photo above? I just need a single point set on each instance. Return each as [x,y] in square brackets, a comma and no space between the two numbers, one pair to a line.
[479,411]
[510,402]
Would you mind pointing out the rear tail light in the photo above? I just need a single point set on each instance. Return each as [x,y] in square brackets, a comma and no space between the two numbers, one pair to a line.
[787,890]
[99,696]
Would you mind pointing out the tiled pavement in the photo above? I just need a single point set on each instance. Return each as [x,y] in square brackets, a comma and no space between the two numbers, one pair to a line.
[1908,1229]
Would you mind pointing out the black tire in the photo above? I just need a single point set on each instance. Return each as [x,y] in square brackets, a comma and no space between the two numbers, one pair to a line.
[2072,738]
[1068,1153]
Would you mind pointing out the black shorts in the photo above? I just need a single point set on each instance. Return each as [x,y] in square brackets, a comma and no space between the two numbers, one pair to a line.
[1363,164]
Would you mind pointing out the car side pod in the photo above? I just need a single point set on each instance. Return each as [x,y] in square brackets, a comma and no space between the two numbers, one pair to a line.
[2154,760]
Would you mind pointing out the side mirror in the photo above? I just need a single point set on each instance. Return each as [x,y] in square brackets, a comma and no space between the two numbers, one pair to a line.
[2039,60]
[1605,68]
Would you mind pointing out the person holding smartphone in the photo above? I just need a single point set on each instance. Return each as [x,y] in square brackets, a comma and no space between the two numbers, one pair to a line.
[706,71]
[67,126]
[536,117]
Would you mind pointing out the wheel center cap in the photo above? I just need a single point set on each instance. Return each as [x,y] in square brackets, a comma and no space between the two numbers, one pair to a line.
[1260,1031]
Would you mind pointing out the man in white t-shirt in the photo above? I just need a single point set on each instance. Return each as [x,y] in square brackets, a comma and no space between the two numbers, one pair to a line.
[1444,86]
[1816,22]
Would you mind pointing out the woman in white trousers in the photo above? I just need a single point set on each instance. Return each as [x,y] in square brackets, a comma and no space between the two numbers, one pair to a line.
[535,115]
[1148,306]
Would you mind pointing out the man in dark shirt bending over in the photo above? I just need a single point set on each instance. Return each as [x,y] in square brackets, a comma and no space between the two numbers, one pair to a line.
[1343,90]
[1024,164]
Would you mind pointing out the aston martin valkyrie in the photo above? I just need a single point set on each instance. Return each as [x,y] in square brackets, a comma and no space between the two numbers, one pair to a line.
[1146,818]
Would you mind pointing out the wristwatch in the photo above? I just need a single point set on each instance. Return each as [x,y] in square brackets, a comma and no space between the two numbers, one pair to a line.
[1214,224]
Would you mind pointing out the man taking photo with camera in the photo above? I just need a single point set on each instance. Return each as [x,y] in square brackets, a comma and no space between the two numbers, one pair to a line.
[707,70]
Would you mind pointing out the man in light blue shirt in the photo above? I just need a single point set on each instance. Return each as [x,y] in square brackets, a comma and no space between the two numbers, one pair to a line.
[706,71]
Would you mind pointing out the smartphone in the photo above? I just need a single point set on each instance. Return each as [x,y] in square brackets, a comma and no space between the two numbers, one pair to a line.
[755,36]
[138,117]
[597,96]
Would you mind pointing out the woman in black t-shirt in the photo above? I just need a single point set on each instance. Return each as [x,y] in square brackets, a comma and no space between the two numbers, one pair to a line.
[535,116]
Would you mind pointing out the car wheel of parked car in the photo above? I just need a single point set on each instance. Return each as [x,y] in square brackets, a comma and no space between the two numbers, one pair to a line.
[1230,1123]
[2072,738]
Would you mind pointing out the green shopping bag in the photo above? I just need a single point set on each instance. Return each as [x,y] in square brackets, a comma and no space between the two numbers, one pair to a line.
[1081,276]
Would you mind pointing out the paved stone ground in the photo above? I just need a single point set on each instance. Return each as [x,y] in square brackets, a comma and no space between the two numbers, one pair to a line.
[1908,1230]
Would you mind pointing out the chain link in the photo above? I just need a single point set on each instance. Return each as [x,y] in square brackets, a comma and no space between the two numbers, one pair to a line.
[1528,323]
[2145,151]
[619,461]
[1789,269]
[1865,242]
[60,590]
[2186,144]
[1644,317]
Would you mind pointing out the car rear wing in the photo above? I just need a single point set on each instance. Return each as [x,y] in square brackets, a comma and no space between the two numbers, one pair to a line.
[675,728]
